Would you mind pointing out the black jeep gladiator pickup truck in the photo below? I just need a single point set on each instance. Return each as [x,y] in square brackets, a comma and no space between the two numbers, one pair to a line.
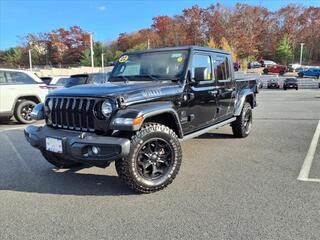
[154,99]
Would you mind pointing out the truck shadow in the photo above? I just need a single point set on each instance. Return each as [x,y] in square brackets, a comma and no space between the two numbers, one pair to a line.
[215,136]
[69,182]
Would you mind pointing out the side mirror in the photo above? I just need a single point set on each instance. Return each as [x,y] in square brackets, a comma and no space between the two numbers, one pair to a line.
[200,74]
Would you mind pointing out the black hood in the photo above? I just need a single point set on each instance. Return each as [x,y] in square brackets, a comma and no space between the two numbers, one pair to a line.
[131,92]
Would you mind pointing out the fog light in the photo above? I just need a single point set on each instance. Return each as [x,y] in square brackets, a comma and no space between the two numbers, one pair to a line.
[95,150]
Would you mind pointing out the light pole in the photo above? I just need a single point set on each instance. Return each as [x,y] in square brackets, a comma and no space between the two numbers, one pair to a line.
[102,62]
[30,60]
[91,51]
[148,43]
[301,51]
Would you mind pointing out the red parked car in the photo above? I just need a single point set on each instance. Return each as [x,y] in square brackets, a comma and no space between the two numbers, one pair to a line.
[275,69]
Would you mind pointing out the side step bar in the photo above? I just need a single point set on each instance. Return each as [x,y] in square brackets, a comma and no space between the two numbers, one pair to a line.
[205,130]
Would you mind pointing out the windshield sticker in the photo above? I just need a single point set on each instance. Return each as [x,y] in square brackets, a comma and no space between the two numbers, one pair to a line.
[176,55]
[179,59]
[209,76]
[124,58]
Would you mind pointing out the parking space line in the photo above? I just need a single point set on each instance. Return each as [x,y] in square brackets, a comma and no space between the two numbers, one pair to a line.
[13,128]
[305,169]
[19,127]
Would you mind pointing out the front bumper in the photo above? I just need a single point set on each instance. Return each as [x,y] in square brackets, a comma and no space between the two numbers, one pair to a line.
[77,145]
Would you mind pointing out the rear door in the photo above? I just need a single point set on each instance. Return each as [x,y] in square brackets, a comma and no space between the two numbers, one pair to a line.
[226,85]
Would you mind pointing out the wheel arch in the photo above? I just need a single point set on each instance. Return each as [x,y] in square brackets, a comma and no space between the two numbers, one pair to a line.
[159,112]
[168,118]
[33,98]
[245,95]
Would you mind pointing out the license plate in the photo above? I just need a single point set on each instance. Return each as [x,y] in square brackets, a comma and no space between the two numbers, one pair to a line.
[54,145]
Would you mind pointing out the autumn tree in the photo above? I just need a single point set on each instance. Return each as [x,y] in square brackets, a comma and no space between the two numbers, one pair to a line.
[226,46]
[284,51]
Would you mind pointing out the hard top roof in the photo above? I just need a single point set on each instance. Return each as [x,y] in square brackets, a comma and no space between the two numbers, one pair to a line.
[191,47]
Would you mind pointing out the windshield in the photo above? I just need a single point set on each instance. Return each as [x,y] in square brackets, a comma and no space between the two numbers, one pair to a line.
[291,80]
[62,81]
[168,65]
[76,80]
[46,80]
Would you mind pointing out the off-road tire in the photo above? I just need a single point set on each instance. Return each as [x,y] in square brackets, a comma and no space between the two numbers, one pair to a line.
[127,168]
[18,111]
[239,127]
[58,161]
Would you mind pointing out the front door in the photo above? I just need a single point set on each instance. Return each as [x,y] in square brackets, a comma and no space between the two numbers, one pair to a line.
[201,107]
[226,85]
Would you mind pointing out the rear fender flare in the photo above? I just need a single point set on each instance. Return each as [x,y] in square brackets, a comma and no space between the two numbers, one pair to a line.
[241,99]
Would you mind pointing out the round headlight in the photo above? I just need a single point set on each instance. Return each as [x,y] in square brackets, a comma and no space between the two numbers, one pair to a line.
[106,108]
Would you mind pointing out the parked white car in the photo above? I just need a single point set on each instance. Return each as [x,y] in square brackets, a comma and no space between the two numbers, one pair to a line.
[20,91]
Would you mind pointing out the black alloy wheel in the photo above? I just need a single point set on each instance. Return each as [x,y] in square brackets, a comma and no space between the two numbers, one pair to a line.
[154,159]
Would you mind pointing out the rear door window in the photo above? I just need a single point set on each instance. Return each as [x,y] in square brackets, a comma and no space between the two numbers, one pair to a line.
[19,78]
[3,80]
[222,68]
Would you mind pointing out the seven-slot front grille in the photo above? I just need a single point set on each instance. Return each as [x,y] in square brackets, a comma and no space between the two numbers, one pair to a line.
[71,113]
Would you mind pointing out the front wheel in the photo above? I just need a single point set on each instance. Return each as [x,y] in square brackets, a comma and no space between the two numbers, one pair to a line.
[154,159]
[241,128]
[23,111]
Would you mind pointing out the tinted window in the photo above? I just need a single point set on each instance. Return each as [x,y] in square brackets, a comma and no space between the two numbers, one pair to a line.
[2,78]
[201,61]
[62,81]
[19,78]
[46,80]
[73,81]
[291,80]
[150,66]
[221,68]
[99,78]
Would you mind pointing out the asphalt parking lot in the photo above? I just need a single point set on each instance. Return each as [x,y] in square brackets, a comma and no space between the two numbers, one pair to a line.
[227,188]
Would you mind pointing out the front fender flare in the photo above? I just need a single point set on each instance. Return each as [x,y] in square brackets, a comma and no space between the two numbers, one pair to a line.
[145,111]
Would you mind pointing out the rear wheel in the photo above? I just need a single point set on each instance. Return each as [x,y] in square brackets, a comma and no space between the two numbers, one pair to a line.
[241,128]
[154,159]
[22,112]
[59,161]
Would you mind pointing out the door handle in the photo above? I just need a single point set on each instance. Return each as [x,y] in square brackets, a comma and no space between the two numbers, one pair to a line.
[213,92]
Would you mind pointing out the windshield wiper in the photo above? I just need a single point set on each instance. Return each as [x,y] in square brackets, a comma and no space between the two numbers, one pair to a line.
[152,76]
[120,77]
